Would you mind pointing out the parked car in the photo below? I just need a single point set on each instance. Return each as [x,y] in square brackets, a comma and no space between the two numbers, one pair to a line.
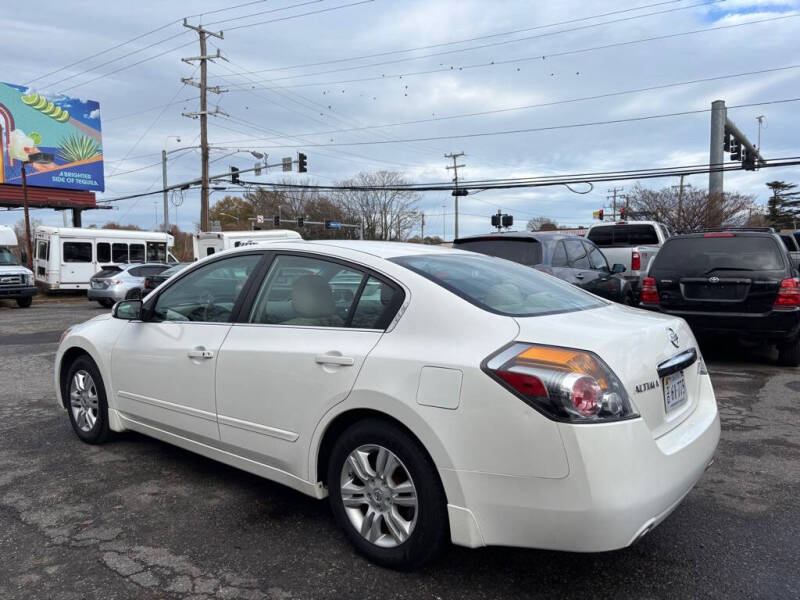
[733,282]
[447,398]
[630,243]
[151,282]
[16,281]
[121,282]
[567,257]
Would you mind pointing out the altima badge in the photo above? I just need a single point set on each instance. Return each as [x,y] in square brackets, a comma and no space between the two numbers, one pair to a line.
[673,337]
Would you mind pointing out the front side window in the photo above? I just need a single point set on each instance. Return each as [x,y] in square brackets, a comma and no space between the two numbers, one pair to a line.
[77,252]
[156,251]
[308,292]
[500,286]
[137,253]
[119,253]
[103,252]
[208,293]
[43,250]
[597,260]
[576,253]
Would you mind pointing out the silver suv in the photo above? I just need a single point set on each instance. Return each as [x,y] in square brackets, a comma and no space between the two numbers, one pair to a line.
[124,282]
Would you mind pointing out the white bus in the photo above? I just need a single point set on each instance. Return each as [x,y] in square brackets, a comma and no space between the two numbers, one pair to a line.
[65,258]
[207,243]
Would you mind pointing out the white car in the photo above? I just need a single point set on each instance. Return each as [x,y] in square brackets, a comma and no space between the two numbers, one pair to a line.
[431,393]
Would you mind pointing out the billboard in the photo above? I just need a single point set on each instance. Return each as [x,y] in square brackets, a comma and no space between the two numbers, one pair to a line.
[66,128]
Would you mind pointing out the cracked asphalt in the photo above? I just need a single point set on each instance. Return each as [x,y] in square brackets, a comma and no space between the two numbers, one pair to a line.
[139,519]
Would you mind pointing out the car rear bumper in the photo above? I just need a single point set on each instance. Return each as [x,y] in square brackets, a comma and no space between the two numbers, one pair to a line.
[621,484]
[106,294]
[775,324]
[19,292]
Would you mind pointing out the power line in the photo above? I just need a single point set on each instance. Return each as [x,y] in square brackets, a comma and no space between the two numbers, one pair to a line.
[537,57]
[555,102]
[305,14]
[263,12]
[535,129]
[465,40]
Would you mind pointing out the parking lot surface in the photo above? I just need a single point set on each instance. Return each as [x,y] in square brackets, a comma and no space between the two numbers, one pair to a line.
[137,518]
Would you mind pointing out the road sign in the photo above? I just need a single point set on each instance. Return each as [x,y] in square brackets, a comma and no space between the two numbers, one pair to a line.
[286,161]
[259,219]
[333,225]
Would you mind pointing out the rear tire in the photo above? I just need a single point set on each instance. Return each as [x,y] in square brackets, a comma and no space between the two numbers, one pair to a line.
[105,302]
[24,302]
[401,507]
[789,353]
[85,396]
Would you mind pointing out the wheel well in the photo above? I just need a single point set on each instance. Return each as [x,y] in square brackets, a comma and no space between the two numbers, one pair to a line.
[67,360]
[342,422]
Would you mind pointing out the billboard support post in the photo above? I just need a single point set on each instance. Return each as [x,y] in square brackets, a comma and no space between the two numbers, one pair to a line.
[29,258]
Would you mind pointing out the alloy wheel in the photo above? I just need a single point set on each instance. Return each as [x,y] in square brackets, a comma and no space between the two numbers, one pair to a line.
[84,401]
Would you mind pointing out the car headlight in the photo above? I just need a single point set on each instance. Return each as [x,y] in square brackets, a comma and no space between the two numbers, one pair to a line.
[564,384]
[31,279]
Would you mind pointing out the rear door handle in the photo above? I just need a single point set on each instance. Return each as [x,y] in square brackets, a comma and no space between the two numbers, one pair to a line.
[200,354]
[332,359]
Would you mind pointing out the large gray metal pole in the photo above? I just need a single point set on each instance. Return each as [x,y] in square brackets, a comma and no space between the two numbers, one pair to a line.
[717,152]
[164,186]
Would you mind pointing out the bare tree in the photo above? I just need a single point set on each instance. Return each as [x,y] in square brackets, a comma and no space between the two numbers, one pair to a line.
[541,224]
[692,210]
[384,214]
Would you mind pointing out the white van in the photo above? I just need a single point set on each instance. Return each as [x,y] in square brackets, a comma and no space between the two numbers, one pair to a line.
[16,282]
[207,243]
[65,258]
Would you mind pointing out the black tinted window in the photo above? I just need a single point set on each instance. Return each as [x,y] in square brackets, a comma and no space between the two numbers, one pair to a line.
[138,272]
[522,251]
[103,252]
[377,305]
[119,253]
[623,235]
[697,257]
[137,252]
[77,252]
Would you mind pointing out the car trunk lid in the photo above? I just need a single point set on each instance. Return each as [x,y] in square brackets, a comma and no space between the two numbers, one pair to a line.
[634,344]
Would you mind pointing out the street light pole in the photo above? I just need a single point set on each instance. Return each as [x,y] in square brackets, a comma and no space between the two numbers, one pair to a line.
[29,260]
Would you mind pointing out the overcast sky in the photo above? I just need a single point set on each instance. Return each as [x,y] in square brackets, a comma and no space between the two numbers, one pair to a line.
[334,65]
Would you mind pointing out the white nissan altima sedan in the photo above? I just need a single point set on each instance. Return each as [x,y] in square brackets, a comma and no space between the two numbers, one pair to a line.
[432,394]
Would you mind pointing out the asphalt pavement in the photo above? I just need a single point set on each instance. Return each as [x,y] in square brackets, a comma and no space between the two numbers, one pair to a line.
[139,519]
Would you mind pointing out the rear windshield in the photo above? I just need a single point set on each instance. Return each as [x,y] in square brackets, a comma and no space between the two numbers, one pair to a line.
[623,235]
[700,256]
[522,251]
[107,272]
[500,286]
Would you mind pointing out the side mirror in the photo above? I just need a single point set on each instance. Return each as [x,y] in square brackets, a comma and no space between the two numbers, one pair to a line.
[129,310]
[618,268]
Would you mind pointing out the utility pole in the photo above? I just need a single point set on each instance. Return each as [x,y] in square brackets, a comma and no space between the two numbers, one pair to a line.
[422,228]
[203,114]
[456,193]
[680,198]
[613,197]
[29,246]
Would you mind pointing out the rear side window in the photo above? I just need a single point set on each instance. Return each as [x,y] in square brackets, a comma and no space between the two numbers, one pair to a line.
[119,253]
[623,235]
[701,256]
[559,256]
[103,252]
[500,286]
[43,250]
[77,252]
[137,252]
[523,251]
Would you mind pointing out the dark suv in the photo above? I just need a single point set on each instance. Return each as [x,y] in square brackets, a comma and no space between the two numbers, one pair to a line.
[730,282]
[568,257]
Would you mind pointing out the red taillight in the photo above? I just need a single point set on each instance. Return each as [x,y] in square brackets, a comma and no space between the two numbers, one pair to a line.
[789,293]
[528,385]
[649,291]
[718,234]
[586,395]
[636,261]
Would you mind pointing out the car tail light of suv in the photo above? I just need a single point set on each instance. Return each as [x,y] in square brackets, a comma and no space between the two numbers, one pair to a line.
[636,261]
[788,293]
[649,291]
[564,384]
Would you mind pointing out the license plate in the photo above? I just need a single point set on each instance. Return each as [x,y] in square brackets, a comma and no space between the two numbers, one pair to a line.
[674,390]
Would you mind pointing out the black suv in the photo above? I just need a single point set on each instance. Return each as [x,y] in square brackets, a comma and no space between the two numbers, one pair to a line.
[568,257]
[740,282]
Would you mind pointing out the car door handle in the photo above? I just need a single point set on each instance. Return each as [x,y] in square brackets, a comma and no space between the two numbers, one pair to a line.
[200,354]
[579,276]
[332,359]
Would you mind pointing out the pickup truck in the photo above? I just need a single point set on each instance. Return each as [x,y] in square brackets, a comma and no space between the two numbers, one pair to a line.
[630,243]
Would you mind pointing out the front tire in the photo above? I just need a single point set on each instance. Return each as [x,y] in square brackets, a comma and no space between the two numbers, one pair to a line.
[25,302]
[789,353]
[86,401]
[386,495]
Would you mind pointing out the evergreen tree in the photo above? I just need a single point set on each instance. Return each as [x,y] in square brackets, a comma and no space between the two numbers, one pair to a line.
[784,205]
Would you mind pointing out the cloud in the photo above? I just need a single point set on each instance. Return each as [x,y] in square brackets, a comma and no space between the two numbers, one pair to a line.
[95,114]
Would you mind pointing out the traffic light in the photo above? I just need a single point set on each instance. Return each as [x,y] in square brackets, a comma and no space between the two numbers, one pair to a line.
[726,143]
[598,214]
[496,221]
[736,150]
[459,192]
[507,220]
[623,214]
[748,160]
[234,175]
[276,221]
[302,163]
[301,221]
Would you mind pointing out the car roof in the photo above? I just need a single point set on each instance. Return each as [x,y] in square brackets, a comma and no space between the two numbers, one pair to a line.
[539,236]
[386,250]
